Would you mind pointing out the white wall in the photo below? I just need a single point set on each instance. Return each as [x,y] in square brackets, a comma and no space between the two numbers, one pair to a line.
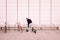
[33,11]
[22,11]
[11,11]
[45,12]
[2,11]
[56,12]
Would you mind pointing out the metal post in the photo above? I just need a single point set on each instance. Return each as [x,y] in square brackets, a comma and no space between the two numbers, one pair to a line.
[28,9]
[50,12]
[39,12]
[6,18]
[17,11]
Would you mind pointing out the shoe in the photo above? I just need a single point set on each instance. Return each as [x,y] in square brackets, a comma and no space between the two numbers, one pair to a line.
[34,31]
[27,30]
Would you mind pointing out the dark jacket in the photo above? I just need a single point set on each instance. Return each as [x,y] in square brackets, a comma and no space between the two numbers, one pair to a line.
[29,21]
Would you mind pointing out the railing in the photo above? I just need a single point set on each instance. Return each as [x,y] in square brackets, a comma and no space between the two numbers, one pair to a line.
[23,28]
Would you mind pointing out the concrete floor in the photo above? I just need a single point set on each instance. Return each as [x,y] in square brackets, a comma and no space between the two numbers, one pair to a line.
[40,35]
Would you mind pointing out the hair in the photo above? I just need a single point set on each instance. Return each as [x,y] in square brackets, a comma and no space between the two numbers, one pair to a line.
[26,18]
